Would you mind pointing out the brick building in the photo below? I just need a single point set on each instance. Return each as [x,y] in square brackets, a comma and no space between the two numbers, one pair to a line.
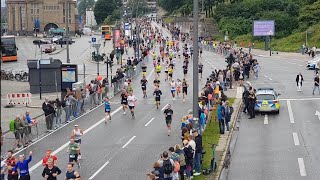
[24,16]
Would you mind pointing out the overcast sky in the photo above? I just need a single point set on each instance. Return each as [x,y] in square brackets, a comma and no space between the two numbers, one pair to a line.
[3,3]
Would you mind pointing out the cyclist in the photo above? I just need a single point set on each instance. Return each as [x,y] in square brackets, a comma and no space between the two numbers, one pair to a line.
[73,150]
[131,102]
[157,93]
[185,86]
[173,87]
[124,100]
[107,109]
[168,115]
[144,69]
[144,83]
[76,135]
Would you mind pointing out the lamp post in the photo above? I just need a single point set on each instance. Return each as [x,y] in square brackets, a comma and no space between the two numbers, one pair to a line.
[270,34]
[195,107]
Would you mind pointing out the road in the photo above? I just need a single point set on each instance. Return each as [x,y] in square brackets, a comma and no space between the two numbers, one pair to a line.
[125,148]
[284,146]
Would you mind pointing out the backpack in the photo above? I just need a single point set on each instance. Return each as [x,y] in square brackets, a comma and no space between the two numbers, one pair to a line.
[12,126]
[189,152]
[182,159]
[167,166]
[176,166]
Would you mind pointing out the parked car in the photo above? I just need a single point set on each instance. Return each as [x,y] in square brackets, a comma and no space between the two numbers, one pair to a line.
[48,48]
[267,100]
[41,41]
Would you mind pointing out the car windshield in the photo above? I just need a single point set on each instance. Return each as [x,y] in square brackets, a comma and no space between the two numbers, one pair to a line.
[265,97]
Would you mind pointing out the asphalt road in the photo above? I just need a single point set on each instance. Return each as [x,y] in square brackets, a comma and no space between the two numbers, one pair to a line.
[284,146]
[125,148]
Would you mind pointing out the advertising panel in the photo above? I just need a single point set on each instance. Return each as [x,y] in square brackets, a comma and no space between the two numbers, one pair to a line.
[117,38]
[263,28]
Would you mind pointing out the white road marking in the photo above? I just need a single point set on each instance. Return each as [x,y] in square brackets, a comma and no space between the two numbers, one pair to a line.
[296,139]
[149,122]
[58,129]
[67,143]
[164,107]
[266,76]
[290,112]
[270,79]
[318,114]
[129,141]
[100,169]
[302,99]
[266,121]
[302,167]
[149,76]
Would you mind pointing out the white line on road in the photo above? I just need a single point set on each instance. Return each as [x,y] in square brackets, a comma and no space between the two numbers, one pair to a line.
[302,99]
[149,122]
[129,142]
[302,167]
[100,169]
[266,76]
[290,112]
[295,139]
[164,107]
[149,76]
[270,79]
[266,121]
[67,143]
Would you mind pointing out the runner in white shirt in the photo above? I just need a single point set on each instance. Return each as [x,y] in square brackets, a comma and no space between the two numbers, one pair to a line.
[131,102]
[173,87]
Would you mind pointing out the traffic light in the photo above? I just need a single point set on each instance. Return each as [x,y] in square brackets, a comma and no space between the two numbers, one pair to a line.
[94,57]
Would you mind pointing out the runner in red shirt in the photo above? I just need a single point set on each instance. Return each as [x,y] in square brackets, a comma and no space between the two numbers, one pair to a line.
[11,162]
[49,156]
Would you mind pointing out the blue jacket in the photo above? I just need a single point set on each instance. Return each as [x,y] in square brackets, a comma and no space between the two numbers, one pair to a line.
[221,112]
[23,166]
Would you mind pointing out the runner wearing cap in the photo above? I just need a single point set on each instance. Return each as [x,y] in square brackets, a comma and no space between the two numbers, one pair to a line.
[168,115]
[76,135]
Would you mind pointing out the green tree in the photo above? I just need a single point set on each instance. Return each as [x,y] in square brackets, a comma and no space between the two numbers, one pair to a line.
[85,4]
[104,8]
[310,14]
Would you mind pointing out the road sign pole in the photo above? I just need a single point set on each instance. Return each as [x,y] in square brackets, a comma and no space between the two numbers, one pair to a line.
[67,31]
[195,106]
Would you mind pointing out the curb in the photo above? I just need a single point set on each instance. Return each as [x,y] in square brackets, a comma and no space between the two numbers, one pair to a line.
[221,163]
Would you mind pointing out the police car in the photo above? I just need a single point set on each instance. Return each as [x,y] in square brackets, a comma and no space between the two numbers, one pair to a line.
[314,63]
[267,100]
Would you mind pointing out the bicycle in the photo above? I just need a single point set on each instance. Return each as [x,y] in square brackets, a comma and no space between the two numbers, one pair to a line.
[7,75]
[22,76]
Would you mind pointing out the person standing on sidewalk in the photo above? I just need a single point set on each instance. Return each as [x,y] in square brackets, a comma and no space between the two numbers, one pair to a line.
[23,166]
[47,112]
[197,157]
[299,80]
[221,116]
[252,103]
[316,84]
[69,100]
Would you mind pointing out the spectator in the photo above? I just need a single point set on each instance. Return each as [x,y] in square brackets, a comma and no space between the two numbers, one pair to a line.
[157,167]
[23,166]
[221,116]
[79,100]
[58,109]
[46,107]
[197,157]
[26,130]
[167,165]
[188,151]
[30,122]
[69,100]
[3,166]
[182,160]
[176,158]
[18,133]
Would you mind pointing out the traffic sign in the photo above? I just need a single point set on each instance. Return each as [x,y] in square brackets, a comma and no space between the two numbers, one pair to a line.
[97,46]
[93,40]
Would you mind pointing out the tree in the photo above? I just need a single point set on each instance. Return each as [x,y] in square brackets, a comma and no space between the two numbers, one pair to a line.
[85,4]
[310,14]
[104,8]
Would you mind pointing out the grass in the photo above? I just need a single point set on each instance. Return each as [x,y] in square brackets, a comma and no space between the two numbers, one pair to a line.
[210,136]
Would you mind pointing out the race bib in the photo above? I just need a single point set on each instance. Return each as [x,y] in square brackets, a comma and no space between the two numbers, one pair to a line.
[72,156]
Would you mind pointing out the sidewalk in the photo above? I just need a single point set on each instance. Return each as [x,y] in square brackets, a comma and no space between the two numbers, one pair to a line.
[284,55]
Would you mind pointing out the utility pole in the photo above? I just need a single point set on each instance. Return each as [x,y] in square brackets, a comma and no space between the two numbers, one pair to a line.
[195,108]
[67,31]
[202,7]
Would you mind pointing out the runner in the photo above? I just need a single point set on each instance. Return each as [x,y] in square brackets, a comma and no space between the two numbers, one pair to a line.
[144,83]
[185,69]
[200,69]
[107,109]
[185,86]
[170,70]
[10,164]
[158,69]
[51,171]
[71,174]
[144,69]
[166,71]
[179,86]
[157,93]
[173,87]
[49,157]
[156,82]
[76,135]
[168,114]
[131,102]
[73,150]
[124,100]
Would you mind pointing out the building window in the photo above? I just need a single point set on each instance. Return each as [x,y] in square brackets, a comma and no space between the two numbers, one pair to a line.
[38,11]
[31,11]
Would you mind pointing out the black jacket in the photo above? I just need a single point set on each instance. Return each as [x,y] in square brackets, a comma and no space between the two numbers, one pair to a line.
[198,141]
[297,78]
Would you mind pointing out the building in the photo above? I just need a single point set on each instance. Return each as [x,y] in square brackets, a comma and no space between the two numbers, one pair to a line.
[90,19]
[29,16]
[4,24]
[152,4]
